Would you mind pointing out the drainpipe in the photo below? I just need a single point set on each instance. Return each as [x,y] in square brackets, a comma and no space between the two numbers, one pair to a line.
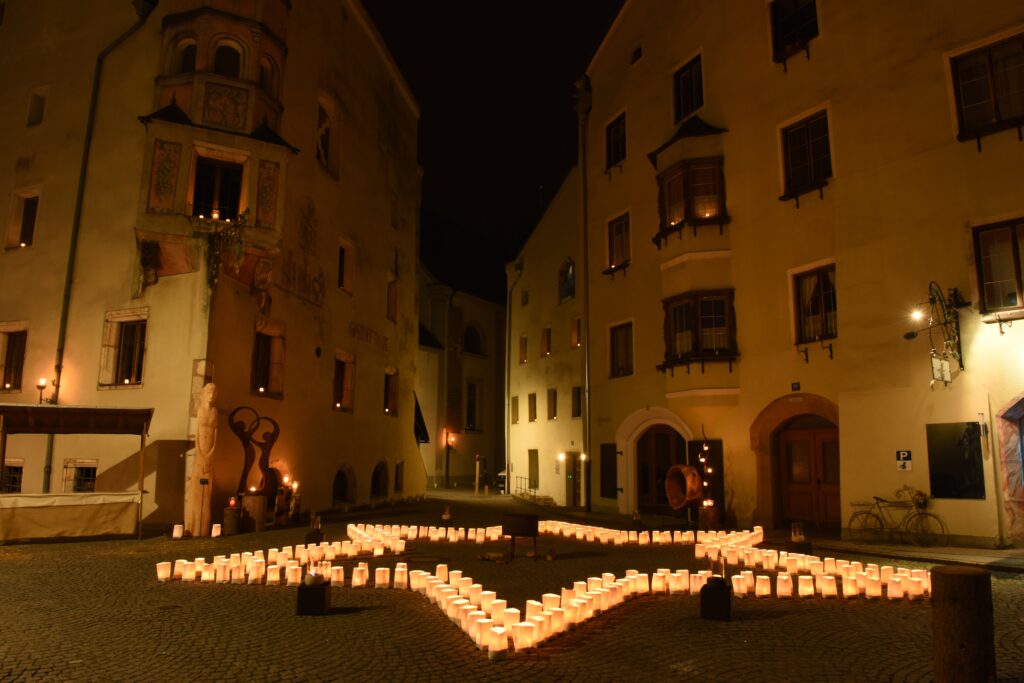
[143,8]
[508,374]
[583,103]
[989,437]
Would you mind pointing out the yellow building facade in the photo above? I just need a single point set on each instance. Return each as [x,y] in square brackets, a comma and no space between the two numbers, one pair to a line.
[771,190]
[246,213]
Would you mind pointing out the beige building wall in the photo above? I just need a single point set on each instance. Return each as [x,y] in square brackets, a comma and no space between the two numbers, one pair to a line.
[537,304]
[896,214]
[447,365]
[280,260]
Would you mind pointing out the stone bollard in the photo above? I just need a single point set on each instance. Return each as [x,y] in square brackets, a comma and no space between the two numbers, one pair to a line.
[963,635]
[716,600]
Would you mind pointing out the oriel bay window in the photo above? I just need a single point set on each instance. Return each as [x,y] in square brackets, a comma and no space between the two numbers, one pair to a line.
[699,325]
[998,250]
[816,304]
[794,24]
[691,192]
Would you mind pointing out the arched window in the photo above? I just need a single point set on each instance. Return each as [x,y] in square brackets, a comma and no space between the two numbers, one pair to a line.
[227,61]
[185,62]
[341,487]
[471,341]
[567,280]
[379,482]
[268,76]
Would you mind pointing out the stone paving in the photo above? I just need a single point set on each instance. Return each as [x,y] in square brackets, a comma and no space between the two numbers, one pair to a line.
[93,611]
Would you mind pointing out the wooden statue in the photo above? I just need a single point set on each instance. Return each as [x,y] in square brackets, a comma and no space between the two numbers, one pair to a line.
[200,489]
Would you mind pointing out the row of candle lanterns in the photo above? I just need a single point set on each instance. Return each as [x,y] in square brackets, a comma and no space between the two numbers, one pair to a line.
[604,535]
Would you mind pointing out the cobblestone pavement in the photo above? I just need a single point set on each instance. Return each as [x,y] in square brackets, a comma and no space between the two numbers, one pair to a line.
[93,611]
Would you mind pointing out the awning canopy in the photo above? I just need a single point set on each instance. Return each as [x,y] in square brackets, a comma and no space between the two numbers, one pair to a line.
[47,419]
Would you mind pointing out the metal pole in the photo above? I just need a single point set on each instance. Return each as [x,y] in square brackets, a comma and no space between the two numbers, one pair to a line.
[583,105]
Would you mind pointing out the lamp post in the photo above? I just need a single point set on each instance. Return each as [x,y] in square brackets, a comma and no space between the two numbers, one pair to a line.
[449,442]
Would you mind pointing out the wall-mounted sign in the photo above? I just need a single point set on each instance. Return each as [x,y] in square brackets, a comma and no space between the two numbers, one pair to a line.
[366,334]
[904,462]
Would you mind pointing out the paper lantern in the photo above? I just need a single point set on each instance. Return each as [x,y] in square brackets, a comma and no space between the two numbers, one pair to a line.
[696,583]
[850,588]
[441,572]
[453,578]
[739,586]
[215,531]
[748,576]
[483,628]
[550,600]
[872,571]
[913,588]
[464,583]
[163,571]
[699,551]
[382,577]
[644,584]
[460,612]
[827,585]
[257,570]
[475,590]
[533,608]
[178,531]
[886,573]
[571,612]
[594,582]
[497,647]
[763,586]
[894,588]
[401,578]
[713,551]
[784,585]
[223,571]
[498,612]
[872,588]
[680,582]
[925,577]
[509,618]
[830,565]
[732,555]
[188,571]
[293,575]
[805,586]
[523,635]
[816,567]
[274,575]
[658,584]
[792,564]
[360,574]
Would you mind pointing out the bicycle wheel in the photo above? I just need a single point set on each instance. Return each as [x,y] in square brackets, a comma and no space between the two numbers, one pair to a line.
[866,527]
[926,529]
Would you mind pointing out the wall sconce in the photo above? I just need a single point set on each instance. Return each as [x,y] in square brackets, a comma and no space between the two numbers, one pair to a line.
[561,457]
[215,214]
[41,386]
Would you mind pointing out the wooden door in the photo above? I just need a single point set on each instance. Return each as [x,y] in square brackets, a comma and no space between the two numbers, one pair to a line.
[809,474]
[656,451]
[572,479]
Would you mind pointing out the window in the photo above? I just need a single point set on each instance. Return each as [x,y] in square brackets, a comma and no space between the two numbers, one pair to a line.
[267,76]
[997,257]
[323,136]
[471,341]
[807,159]
[567,280]
[472,406]
[342,280]
[552,404]
[532,407]
[699,325]
[13,347]
[391,393]
[816,304]
[217,189]
[344,379]
[577,401]
[23,229]
[131,348]
[534,467]
[545,341]
[513,410]
[618,242]
[3,10]
[989,87]
[621,350]
[692,192]
[227,61]
[268,365]
[522,348]
[185,58]
[12,475]
[609,471]
[615,142]
[392,301]
[794,24]
[80,476]
[576,335]
[688,89]
[36,109]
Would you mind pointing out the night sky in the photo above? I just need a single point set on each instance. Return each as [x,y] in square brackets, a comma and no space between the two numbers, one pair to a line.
[498,130]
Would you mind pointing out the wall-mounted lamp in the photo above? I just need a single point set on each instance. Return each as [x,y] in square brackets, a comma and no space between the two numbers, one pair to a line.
[41,386]
[561,457]
[583,456]
[944,318]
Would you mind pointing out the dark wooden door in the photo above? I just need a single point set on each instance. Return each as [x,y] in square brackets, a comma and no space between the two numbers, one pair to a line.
[656,451]
[572,479]
[809,474]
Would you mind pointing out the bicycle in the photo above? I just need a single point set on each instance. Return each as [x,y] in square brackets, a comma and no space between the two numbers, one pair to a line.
[923,528]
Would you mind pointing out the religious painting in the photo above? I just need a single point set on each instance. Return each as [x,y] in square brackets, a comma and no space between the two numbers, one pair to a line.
[266,193]
[164,178]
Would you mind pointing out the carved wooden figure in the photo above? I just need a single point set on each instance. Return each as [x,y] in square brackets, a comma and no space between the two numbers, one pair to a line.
[200,489]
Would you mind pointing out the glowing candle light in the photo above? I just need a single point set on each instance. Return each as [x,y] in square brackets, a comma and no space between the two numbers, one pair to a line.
[523,635]
[401,578]
[215,531]
[497,648]
[699,551]
[739,586]
[510,617]
[763,586]
[872,588]
[497,611]
[886,573]
[806,586]
[784,585]
[792,564]
[827,585]
[163,571]
[551,601]
[293,575]
[441,572]
[914,588]
[894,588]
[178,531]
[274,575]
[850,588]
[830,565]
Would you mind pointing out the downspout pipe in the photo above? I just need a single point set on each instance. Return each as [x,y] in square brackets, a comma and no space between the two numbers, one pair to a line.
[583,105]
[508,373]
[143,8]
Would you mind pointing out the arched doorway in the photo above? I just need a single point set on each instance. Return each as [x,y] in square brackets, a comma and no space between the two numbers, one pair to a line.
[379,481]
[765,430]
[1010,442]
[657,449]
[344,486]
[807,472]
